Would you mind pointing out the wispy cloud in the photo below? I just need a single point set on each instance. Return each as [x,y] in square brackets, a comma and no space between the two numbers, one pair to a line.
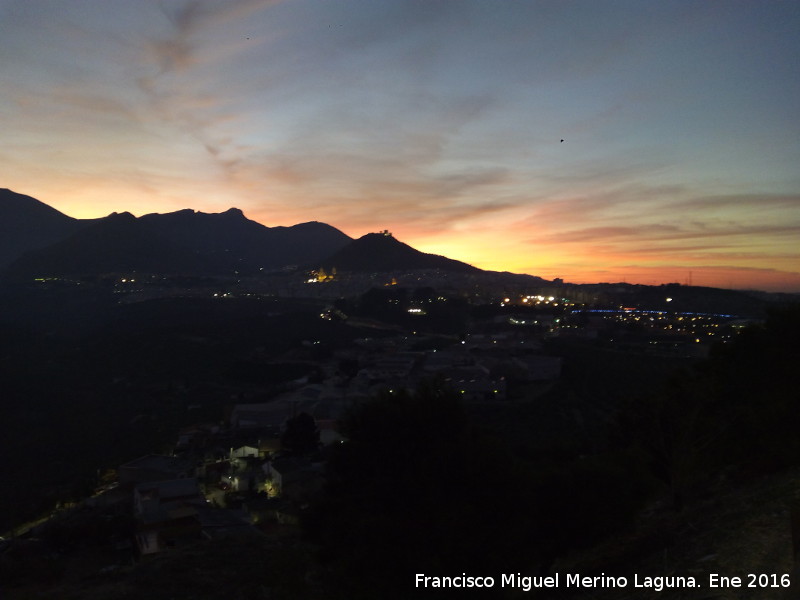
[764,201]
[439,120]
[668,233]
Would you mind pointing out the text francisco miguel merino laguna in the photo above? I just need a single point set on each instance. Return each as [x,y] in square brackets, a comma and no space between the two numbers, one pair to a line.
[576,580]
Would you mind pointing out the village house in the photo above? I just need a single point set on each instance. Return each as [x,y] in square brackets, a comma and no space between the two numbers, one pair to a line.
[166,513]
[294,478]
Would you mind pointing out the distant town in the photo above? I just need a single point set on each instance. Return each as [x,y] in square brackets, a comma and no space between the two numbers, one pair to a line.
[234,476]
[229,410]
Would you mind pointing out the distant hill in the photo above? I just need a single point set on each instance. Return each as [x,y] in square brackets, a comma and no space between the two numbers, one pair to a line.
[39,241]
[222,236]
[116,243]
[381,252]
[28,224]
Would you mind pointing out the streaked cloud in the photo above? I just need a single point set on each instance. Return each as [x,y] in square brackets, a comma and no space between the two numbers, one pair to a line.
[439,120]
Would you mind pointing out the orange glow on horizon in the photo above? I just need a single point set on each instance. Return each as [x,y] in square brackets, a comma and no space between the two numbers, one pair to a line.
[588,170]
[489,248]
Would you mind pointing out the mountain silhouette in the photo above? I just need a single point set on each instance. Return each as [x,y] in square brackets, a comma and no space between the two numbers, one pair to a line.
[36,240]
[378,252]
[222,236]
[40,241]
[116,243]
[28,224]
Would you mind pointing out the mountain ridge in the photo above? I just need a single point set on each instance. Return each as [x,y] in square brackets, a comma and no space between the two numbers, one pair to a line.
[382,252]
[49,243]
[29,224]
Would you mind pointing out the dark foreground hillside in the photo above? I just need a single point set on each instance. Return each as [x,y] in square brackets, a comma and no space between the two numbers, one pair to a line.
[628,465]
[739,530]
[88,384]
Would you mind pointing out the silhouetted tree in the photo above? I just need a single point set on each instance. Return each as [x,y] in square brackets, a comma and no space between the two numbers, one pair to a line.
[418,489]
[301,435]
[739,410]
[680,429]
[758,379]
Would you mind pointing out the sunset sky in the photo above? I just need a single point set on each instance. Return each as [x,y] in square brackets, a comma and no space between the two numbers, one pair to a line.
[440,120]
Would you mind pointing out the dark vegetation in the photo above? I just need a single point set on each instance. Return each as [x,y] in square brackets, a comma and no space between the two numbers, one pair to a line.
[735,414]
[249,568]
[438,314]
[422,489]
[425,484]
[301,436]
[88,384]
